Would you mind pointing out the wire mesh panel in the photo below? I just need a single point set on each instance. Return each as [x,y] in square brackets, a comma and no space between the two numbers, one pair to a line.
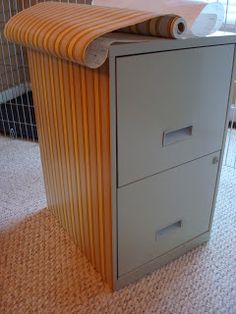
[16,105]
[230,150]
[17,117]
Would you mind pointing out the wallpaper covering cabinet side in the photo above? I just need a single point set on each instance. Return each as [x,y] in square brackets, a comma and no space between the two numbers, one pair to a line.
[73,119]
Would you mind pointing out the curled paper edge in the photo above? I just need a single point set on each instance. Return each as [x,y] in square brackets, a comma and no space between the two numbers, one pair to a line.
[209,20]
[97,51]
[203,18]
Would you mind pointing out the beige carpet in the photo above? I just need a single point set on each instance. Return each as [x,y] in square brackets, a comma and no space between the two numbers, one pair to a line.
[21,181]
[42,271]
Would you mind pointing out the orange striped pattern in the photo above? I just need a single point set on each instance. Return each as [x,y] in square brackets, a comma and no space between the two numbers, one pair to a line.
[66,30]
[168,26]
[73,120]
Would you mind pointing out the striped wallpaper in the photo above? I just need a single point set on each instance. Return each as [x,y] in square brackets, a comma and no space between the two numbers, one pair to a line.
[72,111]
[66,30]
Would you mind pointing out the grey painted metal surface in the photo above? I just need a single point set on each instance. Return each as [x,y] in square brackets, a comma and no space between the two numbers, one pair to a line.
[168,255]
[161,212]
[171,108]
[161,44]
[154,264]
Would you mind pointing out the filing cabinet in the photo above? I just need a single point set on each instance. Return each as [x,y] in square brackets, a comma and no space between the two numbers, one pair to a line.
[170,116]
[132,151]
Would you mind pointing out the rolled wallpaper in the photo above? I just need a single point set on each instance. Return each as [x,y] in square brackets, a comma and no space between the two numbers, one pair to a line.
[201,17]
[83,33]
[69,31]
[168,26]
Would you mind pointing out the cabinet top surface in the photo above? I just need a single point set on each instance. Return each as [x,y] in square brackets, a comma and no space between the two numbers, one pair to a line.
[160,44]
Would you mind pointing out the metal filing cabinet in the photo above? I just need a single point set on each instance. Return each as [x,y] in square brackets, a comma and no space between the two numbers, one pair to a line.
[169,118]
[132,151]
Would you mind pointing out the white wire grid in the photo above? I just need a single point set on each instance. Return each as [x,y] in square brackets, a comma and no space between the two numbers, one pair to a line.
[230,145]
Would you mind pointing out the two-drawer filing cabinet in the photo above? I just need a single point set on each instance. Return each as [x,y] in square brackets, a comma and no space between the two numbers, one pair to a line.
[132,151]
[170,118]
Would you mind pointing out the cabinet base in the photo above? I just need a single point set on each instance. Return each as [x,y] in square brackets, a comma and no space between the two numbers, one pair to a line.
[160,261]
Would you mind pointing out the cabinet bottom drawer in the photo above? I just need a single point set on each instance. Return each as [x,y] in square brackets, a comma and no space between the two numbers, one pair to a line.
[162,212]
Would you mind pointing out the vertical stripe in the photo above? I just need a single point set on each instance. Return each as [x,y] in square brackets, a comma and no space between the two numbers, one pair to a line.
[72,109]
[104,95]
[99,166]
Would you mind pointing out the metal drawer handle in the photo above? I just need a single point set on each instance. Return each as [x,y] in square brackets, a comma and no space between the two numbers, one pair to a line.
[169,229]
[177,135]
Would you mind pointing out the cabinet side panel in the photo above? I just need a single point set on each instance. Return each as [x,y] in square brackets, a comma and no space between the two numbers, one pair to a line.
[73,119]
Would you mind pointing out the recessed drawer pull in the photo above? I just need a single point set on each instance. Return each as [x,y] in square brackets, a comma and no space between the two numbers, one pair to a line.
[169,229]
[174,136]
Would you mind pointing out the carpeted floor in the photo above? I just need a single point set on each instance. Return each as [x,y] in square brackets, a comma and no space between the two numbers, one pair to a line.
[21,181]
[42,270]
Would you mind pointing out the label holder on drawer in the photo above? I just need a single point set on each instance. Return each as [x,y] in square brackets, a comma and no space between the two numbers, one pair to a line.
[177,135]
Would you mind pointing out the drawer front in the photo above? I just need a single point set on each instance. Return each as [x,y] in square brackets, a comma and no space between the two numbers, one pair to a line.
[162,212]
[171,108]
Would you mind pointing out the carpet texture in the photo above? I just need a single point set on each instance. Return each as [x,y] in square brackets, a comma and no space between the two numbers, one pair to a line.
[42,270]
[21,181]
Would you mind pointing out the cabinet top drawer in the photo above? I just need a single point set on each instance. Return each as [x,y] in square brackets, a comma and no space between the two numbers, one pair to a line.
[154,44]
[171,108]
